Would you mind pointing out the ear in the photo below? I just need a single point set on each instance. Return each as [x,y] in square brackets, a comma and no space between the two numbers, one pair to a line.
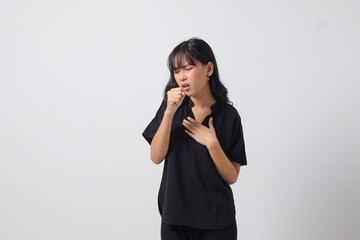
[210,69]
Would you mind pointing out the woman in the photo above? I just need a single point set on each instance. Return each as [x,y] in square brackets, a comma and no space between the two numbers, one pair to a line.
[199,134]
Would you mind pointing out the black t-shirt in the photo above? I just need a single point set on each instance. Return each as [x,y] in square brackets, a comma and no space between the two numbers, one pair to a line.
[192,192]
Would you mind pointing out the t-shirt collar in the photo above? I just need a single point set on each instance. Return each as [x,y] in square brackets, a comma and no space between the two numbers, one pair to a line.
[215,107]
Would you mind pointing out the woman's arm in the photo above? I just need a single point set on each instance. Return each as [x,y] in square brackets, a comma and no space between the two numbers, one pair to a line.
[228,170]
[160,142]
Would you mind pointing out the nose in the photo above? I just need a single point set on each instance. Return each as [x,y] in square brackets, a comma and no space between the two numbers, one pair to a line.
[182,75]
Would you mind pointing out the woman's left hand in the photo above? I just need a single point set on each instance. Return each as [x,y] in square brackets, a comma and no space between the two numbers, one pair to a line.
[199,132]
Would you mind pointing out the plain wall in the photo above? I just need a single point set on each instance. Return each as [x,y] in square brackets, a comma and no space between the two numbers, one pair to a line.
[80,80]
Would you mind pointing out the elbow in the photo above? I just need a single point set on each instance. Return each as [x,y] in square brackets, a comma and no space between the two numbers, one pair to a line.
[235,175]
[232,181]
[156,160]
[157,154]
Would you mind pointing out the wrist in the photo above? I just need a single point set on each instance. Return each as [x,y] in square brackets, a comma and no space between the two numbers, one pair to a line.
[168,113]
[212,143]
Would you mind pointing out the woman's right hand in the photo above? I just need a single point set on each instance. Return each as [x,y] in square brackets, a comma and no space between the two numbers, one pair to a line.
[175,97]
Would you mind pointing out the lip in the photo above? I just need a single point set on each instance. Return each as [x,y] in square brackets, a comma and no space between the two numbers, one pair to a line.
[185,88]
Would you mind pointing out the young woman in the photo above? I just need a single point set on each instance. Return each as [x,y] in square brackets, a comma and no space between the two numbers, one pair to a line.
[199,134]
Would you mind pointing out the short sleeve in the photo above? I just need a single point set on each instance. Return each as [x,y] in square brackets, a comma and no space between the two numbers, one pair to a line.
[153,126]
[236,151]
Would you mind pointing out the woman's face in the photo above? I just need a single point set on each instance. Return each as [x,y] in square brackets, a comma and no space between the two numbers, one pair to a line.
[193,79]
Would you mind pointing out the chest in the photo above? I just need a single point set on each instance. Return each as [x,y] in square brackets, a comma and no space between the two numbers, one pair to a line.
[223,124]
[200,114]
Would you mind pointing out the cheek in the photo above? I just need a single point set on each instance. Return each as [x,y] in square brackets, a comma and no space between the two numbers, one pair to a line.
[200,74]
[200,79]
[176,79]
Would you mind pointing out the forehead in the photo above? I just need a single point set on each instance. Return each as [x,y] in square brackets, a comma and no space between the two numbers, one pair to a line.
[181,61]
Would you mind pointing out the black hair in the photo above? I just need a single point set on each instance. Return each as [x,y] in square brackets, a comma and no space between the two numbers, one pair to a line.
[196,48]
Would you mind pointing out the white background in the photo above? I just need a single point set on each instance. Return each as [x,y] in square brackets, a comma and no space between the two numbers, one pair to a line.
[80,80]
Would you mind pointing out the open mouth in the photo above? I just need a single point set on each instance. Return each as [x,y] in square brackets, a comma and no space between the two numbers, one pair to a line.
[186,87]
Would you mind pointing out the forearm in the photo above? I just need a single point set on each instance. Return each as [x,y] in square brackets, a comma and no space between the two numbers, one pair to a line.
[223,165]
[160,141]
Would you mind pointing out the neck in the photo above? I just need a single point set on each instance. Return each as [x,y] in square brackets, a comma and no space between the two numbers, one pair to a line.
[204,99]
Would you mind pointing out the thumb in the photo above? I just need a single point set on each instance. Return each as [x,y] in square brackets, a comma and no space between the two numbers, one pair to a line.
[211,126]
[183,95]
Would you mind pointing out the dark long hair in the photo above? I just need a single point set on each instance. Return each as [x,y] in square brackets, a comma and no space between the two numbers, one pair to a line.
[196,48]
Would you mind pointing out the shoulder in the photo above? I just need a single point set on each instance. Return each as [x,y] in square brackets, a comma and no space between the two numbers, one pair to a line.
[230,110]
